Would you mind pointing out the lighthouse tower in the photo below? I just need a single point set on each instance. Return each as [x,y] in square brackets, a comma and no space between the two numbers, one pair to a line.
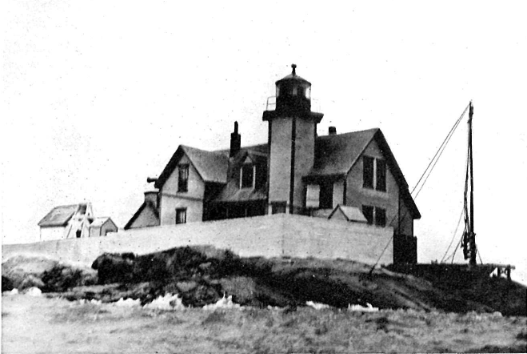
[292,133]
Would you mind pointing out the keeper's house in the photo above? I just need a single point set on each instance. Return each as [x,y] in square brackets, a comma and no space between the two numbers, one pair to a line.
[296,172]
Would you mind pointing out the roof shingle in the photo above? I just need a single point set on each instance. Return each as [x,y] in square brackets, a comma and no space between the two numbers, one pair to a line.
[59,216]
[336,154]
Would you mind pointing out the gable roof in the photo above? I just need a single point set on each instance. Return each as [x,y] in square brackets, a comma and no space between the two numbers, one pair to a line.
[254,149]
[350,213]
[59,216]
[99,221]
[335,156]
[232,192]
[145,205]
[211,166]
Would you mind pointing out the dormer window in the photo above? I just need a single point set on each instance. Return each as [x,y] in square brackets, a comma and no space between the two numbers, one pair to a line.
[247,175]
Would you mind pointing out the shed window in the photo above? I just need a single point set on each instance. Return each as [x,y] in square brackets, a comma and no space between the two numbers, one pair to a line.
[182,178]
[374,215]
[181,216]
[368,213]
[247,176]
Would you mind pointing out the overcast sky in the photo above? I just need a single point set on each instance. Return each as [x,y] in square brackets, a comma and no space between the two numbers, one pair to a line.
[97,95]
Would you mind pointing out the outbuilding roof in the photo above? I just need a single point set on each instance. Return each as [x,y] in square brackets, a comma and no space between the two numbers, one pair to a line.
[350,213]
[99,221]
[59,216]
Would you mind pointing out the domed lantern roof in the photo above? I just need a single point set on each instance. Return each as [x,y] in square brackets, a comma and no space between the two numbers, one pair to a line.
[293,76]
[293,92]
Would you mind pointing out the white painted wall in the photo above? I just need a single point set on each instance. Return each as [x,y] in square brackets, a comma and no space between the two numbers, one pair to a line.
[52,233]
[267,236]
[170,198]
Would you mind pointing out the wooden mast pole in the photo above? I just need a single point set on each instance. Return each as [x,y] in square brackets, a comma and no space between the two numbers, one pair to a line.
[471,235]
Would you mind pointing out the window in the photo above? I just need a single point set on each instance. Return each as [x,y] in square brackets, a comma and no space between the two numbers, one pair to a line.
[374,173]
[326,195]
[380,175]
[182,178]
[380,217]
[374,214]
[247,176]
[313,196]
[181,216]
[368,213]
[261,176]
[367,169]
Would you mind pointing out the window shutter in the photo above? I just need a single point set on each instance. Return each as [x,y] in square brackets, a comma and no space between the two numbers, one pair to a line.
[313,196]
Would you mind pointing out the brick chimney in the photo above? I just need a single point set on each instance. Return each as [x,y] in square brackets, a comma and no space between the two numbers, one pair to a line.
[332,130]
[236,141]
[151,198]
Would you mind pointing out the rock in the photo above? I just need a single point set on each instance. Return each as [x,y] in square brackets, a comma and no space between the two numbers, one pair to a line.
[200,296]
[114,268]
[62,277]
[184,286]
[7,284]
[31,281]
[11,293]
[33,291]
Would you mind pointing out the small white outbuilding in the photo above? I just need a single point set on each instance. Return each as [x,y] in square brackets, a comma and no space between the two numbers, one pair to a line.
[101,226]
[66,221]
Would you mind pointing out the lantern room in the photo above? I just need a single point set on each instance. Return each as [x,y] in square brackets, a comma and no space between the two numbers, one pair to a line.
[293,93]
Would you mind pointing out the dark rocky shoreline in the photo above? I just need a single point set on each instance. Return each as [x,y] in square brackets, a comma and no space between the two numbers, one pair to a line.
[203,275]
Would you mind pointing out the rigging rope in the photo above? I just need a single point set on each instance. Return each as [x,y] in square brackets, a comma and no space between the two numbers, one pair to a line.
[454,235]
[455,249]
[439,152]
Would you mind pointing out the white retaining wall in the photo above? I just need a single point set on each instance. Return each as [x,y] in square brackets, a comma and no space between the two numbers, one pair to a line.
[267,236]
